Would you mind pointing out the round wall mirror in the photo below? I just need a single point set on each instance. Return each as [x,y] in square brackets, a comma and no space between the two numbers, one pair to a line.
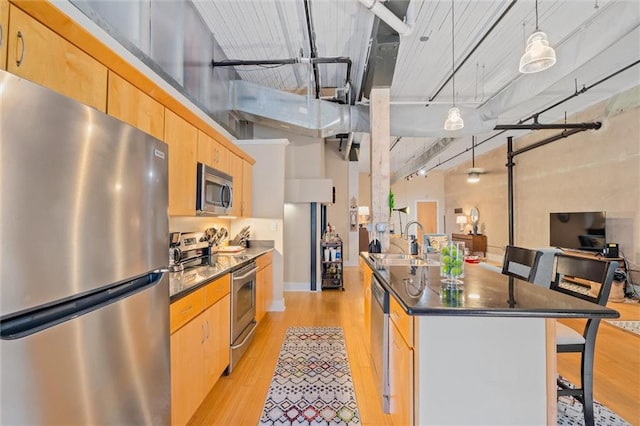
[474,215]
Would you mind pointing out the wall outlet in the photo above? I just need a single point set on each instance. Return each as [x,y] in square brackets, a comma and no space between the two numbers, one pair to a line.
[274,226]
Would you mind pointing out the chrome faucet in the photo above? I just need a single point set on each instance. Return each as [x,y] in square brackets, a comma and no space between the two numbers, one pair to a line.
[406,229]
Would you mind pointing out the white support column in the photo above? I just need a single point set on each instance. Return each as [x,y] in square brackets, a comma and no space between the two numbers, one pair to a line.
[380,142]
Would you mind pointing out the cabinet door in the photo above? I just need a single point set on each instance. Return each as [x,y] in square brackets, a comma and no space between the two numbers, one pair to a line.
[216,343]
[4,30]
[366,281]
[235,166]
[221,154]
[260,294]
[400,378]
[182,139]
[40,55]
[247,188]
[186,370]
[131,105]
[268,287]
[205,149]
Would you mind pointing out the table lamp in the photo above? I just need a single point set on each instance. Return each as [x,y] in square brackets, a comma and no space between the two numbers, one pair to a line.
[462,221]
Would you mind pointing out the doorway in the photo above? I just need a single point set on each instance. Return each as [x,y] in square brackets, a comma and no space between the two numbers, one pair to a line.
[427,215]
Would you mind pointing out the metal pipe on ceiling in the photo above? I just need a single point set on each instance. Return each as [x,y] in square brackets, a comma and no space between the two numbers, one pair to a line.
[312,46]
[537,126]
[475,47]
[535,115]
[322,60]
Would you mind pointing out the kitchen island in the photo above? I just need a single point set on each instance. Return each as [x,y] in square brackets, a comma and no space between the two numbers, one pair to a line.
[482,355]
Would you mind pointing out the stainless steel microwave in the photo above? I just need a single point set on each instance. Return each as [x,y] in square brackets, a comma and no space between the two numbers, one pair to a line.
[214,191]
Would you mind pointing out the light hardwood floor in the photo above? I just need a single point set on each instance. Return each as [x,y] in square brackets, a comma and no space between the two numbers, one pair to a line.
[238,398]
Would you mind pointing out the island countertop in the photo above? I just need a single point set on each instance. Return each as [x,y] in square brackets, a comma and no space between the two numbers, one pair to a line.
[418,289]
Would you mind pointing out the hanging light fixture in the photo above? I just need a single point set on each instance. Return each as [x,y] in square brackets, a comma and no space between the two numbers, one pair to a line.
[538,55]
[474,175]
[454,119]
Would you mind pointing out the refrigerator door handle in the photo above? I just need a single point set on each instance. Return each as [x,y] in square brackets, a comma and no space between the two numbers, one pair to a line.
[43,317]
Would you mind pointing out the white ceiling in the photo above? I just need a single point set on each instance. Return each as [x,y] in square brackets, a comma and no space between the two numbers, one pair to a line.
[592,38]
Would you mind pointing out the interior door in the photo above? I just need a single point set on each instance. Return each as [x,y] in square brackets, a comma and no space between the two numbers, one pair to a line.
[427,215]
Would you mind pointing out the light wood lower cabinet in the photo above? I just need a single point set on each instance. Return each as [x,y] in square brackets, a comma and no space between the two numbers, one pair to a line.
[131,105]
[4,29]
[40,55]
[400,378]
[199,346]
[186,370]
[182,139]
[264,285]
[366,279]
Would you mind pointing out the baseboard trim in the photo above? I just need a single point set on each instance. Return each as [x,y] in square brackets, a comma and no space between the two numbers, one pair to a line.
[277,306]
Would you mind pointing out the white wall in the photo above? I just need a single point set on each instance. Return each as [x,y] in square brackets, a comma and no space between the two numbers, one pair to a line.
[304,160]
[408,193]
[268,204]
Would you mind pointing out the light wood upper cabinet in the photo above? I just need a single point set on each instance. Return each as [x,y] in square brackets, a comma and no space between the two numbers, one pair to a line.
[247,189]
[182,139]
[40,55]
[235,170]
[131,105]
[212,153]
[4,29]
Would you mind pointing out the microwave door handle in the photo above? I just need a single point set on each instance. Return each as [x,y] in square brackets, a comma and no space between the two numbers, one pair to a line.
[226,202]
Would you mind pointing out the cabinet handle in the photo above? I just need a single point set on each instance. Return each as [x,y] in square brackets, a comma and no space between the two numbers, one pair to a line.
[21,39]
[202,329]
[1,34]
[207,329]
[185,310]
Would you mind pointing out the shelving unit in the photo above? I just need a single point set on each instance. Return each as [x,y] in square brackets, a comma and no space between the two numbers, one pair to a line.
[332,268]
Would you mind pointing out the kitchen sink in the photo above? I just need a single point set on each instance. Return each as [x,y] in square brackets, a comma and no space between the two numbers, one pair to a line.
[399,259]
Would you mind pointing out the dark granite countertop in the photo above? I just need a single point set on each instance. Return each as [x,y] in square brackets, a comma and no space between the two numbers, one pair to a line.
[184,282]
[418,289]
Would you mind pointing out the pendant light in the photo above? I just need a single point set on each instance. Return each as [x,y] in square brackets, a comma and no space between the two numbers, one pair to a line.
[474,175]
[454,119]
[538,55]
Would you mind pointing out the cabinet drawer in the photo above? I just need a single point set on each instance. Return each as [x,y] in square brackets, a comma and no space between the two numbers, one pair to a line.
[216,290]
[184,310]
[403,322]
[264,260]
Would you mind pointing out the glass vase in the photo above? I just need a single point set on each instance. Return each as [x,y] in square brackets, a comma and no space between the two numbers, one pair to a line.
[452,263]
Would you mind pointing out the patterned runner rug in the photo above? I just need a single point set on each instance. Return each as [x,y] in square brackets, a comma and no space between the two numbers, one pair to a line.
[312,382]
[570,412]
[631,326]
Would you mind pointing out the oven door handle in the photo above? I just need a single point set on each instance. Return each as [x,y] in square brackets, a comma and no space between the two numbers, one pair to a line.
[243,276]
[249,334]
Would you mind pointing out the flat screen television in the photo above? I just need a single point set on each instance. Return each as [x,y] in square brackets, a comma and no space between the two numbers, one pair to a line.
[578,230]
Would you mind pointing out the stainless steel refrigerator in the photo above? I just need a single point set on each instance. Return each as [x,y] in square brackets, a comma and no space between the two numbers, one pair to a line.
[84,299]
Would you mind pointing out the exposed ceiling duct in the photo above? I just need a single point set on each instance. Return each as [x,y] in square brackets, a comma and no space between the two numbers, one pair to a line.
[319,118]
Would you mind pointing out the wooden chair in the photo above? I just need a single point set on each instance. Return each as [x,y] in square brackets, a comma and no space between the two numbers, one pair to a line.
[567,339]
[521,263]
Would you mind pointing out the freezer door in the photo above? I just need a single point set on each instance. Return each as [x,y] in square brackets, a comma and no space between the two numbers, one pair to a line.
[110,365]
[83,196]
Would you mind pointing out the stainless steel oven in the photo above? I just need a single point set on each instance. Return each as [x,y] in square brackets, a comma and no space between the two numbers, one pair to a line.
[380,339]
[243,311]
[214,191]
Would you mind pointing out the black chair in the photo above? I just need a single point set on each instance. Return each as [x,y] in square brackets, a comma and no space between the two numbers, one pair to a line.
[521,263]
[599,271]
